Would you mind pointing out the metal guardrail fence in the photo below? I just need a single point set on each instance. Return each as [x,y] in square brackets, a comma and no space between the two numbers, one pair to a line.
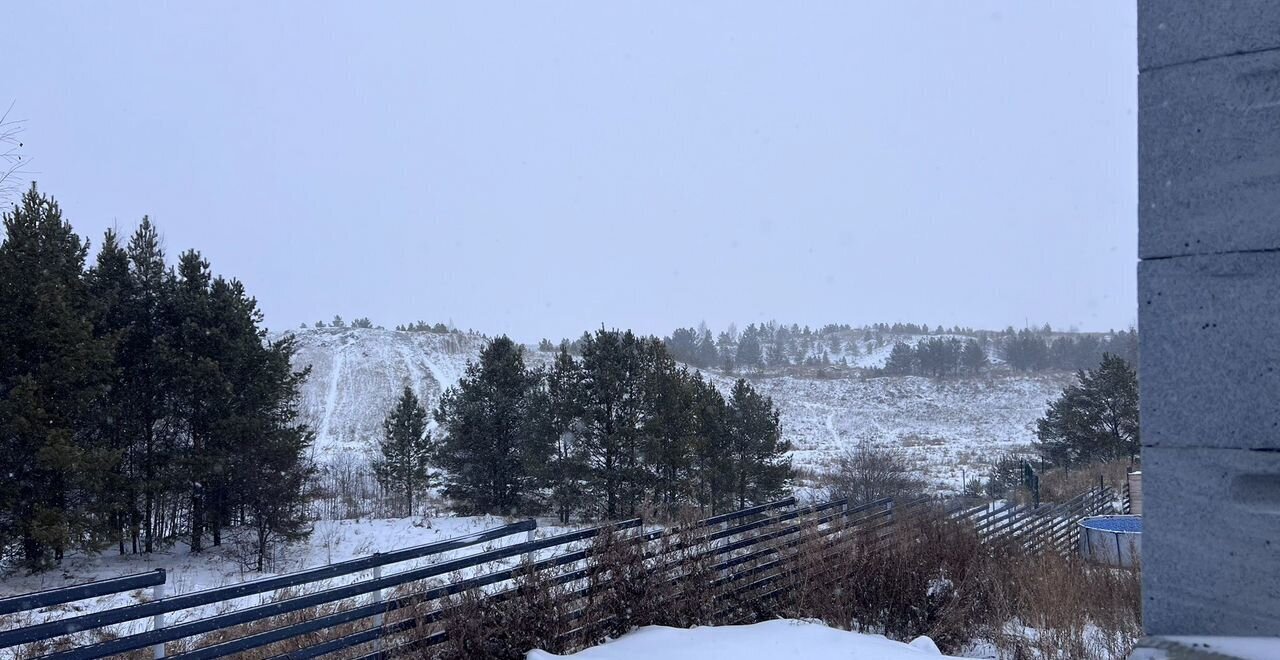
[746,548]
[52,597]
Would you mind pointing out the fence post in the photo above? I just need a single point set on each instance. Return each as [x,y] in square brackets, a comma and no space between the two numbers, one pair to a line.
[377,597]
[157,622]
[528,557]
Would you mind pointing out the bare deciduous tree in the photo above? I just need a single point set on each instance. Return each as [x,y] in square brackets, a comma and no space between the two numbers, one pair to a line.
[865,474]
[11,159]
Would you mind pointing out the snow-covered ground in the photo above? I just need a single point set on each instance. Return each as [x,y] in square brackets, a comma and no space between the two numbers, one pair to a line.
[784,639]
[945,426]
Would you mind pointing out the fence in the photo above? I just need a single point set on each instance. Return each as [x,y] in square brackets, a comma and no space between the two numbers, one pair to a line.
[347,610]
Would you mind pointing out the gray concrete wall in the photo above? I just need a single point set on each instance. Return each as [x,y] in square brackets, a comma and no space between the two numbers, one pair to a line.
[1209,314]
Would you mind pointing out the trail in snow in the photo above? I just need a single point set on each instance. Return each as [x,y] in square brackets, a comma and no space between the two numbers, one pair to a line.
[416,376]
[444,380]
[331,400]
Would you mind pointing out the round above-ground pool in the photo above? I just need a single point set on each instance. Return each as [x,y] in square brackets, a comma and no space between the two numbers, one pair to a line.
[1111,540]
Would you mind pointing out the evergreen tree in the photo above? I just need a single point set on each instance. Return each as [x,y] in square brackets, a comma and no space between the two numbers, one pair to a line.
[708,354]
[199,390]
[613,403]
[561,415]
[110,290]
[145,380]
[712,455]
[1096,418]
[683,346]
[760,468]
[53,375]
[668,429]
[750,355]
[274,471]
[902,360]
[974,358]
[401,466]
[490,449]
[727,347]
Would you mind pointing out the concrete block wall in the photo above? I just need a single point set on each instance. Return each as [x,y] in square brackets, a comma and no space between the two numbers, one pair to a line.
[1209,314]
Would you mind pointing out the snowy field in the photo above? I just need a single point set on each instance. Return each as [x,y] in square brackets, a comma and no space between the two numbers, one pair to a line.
[946,426]
[783,639]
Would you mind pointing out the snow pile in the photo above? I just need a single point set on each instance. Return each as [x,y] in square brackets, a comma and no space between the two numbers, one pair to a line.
[784,639]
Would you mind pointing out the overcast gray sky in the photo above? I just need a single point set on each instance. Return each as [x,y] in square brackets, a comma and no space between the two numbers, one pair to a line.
[542,168]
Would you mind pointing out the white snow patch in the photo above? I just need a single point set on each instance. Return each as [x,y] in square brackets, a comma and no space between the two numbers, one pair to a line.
[784,639]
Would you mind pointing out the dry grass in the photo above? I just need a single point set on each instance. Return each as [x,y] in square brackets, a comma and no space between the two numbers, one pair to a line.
[1058,485]
[921,576]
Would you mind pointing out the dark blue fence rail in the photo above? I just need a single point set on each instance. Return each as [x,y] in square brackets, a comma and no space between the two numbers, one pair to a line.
[51,597]
[747,550]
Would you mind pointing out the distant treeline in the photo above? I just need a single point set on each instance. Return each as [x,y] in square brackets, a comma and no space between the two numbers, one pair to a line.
[937,357]
[139,402]
[616,430]
[364,322]
[937,352]
[1025,350]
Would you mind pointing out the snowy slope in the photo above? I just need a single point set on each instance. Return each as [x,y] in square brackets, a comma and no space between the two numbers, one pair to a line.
[357,374]
[946,426]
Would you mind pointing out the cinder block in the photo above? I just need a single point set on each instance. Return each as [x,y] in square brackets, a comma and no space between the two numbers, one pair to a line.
[1211,542]
[1210,349]
[1209,156]
[1179,31]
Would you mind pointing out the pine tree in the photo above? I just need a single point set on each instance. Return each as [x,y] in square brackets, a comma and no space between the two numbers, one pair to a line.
[272,477]
[902,360]
[683,345]
[668,429]
[401,466]
[562,412]
[1096,418]
[727,347]
[760,470]
[974,358]
[53,374]
[613,403]
[490,450]
[110,290]
[145,380]
[712,455]
[708,354]
[199,389]
[750,355]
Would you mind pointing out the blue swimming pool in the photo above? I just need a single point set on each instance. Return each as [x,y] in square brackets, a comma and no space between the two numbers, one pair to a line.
[1129,524]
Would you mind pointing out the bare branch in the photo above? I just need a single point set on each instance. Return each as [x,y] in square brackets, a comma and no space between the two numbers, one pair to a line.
[12,162]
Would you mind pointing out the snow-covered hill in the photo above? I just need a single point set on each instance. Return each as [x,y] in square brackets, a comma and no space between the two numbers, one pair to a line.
[946,426]
[356,375]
